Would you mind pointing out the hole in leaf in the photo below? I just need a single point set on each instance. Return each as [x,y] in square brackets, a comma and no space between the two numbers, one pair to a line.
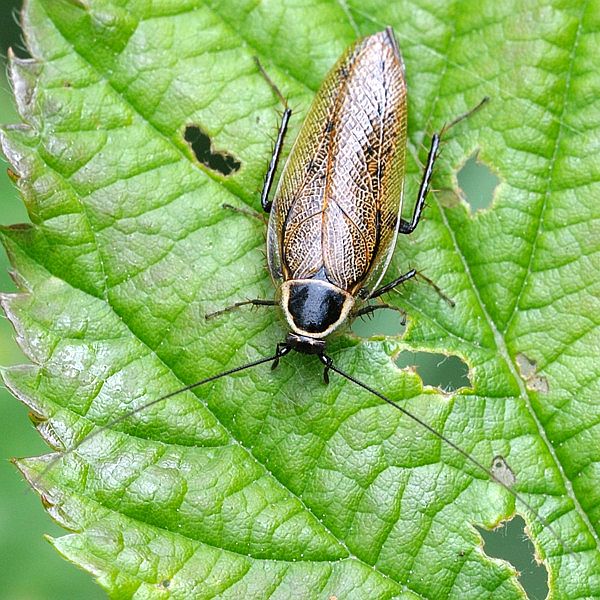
[510,543]
[502,471]
[528,369]
[446,372]
[201,146]
[477,182]
[382,322]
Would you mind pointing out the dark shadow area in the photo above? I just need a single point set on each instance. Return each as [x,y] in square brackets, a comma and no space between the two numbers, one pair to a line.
[511,544]
[477,182]
[10,32]
[222,162]
[445,372]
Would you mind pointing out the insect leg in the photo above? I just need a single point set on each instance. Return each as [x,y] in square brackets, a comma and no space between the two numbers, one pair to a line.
[465,115]
[249,212]
[254,302]
[393,284]
[437,289]
[287,113]
[405,226]
[264,196]
[390,286]
[371,308]
[282,349]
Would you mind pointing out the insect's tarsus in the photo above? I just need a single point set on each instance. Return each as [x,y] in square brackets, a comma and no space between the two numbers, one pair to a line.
[271,83]
[464,116]
[244,210]
[426,279]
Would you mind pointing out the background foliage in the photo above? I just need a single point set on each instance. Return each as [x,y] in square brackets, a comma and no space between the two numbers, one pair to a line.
[104,128]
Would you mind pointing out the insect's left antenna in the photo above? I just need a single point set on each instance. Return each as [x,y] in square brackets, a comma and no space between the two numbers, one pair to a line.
[282,349]
[329,366]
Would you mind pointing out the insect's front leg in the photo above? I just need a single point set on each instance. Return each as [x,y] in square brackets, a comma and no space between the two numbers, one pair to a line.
[253,302]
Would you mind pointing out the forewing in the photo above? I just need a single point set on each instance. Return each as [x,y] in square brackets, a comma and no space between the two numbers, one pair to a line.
[296,220]
[338,199]
[366,167]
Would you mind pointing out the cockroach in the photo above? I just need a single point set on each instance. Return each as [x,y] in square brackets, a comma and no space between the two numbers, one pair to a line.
[336,214]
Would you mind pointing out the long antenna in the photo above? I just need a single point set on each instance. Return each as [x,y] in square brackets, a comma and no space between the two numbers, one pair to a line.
[328,362]
[281,351]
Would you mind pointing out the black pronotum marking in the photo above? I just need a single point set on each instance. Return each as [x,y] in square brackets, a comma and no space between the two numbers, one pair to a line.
[314,308]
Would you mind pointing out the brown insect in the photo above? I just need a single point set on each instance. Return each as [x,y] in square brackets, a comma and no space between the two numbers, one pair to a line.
[336,213]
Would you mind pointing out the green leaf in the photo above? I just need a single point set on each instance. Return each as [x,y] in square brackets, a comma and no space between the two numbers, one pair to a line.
[270,484]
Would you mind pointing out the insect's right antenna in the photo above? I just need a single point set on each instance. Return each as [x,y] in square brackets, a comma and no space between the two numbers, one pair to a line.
[329,366]
[282,350]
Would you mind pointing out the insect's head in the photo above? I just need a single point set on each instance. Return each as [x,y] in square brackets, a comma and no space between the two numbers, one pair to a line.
[314,308]
[305,344]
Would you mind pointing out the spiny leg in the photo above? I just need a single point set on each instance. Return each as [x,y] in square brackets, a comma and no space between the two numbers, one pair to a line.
[390,286]
[464,116]
[254,302]
[437,289]
[371,308]
[282,349]
[408,227]
[268,183]
[412,273]
[287,113]
[249,212]
[264,198]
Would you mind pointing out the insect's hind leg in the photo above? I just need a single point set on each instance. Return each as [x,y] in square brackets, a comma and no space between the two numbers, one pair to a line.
[236,305]
[248,212]
[406,226]
[285,119]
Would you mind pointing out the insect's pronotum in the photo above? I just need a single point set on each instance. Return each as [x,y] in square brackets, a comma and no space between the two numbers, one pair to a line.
[336,213]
